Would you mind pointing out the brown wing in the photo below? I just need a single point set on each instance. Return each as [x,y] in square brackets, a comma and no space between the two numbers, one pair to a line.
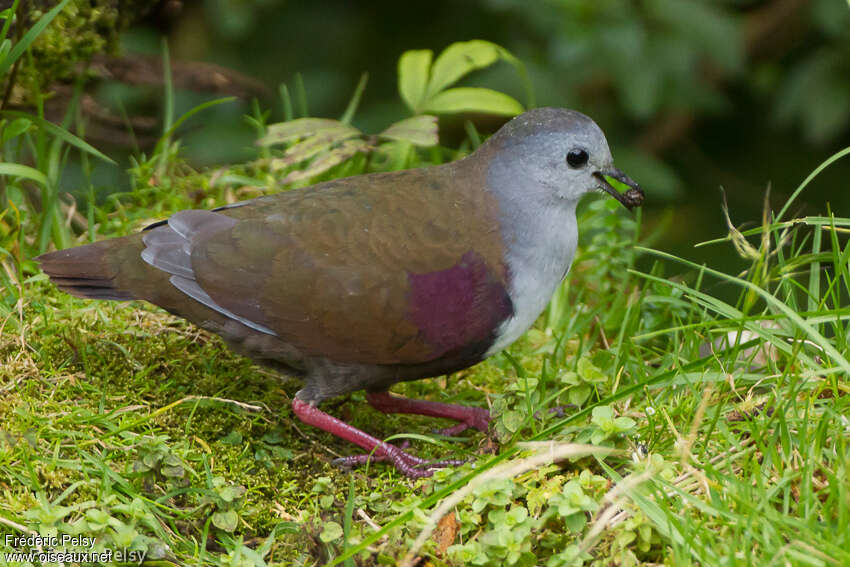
[381,269]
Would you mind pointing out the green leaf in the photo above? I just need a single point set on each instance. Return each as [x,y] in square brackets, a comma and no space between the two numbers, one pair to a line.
[232,438]
[60,133]
[469,553]
[173,471]
[460,59]
[348,115]
[25,171]
[231,492]
[516,515]
[8,15]
[589,372]
[124,535]
[473,99]
[331,531]
[496,492]
[413,73]
[15,128]
[624,424]
[512,420]
[418,130]
[322,485]
[5,48]
[97,519]
[226,520]
[579,394]
[575,522]
[602,414]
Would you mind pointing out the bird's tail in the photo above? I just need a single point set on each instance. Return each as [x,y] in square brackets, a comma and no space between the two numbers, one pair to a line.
[87,271]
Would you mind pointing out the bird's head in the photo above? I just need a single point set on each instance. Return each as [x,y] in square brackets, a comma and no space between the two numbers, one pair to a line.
[562,151]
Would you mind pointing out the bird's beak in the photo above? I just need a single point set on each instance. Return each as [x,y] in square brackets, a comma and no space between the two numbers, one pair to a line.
[631,198]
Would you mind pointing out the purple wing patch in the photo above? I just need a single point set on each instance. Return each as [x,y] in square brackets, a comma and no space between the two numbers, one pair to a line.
[458,307]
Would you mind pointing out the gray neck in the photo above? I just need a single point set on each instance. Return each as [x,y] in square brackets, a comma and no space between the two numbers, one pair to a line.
[540,236]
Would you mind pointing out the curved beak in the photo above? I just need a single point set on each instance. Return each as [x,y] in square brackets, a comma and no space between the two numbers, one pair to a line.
[631,198]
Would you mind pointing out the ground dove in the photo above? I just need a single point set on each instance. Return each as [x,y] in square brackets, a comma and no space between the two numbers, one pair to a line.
[363,282]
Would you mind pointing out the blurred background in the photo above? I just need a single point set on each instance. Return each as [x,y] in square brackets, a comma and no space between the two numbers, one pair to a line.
[693,95]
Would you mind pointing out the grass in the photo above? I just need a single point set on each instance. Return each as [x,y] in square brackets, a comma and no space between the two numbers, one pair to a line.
[644,420]
[122,422]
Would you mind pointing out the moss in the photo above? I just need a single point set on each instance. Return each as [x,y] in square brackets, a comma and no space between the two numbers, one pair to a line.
[83,29]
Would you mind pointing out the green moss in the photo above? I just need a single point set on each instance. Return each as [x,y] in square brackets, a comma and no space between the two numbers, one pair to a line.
[83,29]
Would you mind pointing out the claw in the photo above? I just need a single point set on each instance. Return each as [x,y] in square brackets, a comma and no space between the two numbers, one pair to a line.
[407,464]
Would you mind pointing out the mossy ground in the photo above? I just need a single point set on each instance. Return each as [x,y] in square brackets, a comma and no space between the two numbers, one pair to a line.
[121,422]
[89,390]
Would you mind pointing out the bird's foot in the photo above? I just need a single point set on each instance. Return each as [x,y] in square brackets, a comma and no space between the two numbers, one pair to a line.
[466,416]
[476,418]
[407,464]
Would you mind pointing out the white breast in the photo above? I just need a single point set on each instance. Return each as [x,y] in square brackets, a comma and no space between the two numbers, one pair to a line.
[539,256]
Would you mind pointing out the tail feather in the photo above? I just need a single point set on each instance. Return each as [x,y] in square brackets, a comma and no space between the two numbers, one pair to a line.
[85,271]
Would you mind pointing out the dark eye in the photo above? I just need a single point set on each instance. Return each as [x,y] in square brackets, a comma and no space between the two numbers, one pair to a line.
[577,158]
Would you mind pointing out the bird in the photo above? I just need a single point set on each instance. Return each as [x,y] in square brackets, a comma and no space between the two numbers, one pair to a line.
[366,281]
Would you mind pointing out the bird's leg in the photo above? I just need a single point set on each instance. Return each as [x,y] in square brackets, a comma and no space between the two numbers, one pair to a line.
[406,463]
[467,417]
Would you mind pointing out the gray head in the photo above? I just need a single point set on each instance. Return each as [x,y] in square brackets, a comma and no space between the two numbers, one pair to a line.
[562,152]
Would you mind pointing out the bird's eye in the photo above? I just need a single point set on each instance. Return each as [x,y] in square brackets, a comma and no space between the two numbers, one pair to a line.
[577,158]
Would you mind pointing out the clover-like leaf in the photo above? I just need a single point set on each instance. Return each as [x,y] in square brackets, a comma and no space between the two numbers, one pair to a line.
[47,514]
[623,424]
[417,130]
[575,522]
[326,501]
[603,416]
[460,59]
[231,493]
[512,420]
[469,553]
[424,86]
[123,536]
[590,373]
[579,394]
[226,520]
[473,99]
[516,515]
[414,71]
[331,531]
[322,485]
[172,466]
[97,519]
[232,438]
[495,492]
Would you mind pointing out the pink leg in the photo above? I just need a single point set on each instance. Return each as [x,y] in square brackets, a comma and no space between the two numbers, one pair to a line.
[406,463]
[467,416]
